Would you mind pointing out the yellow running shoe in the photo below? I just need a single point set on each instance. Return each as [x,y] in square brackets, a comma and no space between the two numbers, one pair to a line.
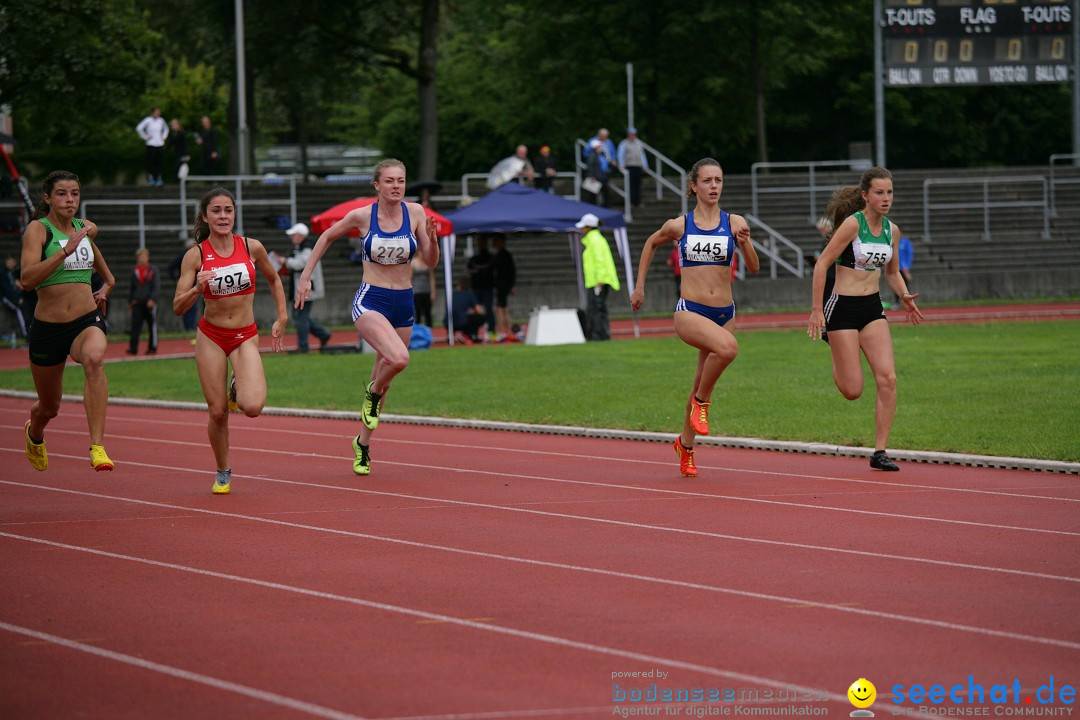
[35,452]
[369,411]
[699,416]
[686,459]
[222,483]
[233,407]
[362,464]
[98,459]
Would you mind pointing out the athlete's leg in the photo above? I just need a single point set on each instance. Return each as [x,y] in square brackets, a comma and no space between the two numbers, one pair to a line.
[876,342]
[847,363]
[89,351]
[49,383]
[213,369]
[717,349]
[250,377]
[391,345]
[401,336]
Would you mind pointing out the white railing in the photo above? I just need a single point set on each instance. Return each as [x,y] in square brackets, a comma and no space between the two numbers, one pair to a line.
[140,209]
[238,191]
[467,177]
[810,187]
[985,203]
[771,251]
[659,160]
[1055,181]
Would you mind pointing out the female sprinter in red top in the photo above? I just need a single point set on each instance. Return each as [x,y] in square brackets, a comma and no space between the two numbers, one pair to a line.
[863,244]
[392,232]
[706,238]
[221,268]
[58,258]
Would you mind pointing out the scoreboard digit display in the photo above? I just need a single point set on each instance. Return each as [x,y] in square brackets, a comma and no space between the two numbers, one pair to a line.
[931,43]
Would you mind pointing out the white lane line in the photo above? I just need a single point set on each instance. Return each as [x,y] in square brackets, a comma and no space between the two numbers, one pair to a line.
[904,487]
[592,483]
[563,516]
[591,570]
[263,695]
[474,624]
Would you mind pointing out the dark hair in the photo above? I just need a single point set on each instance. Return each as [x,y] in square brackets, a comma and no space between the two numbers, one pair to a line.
[47,187]
[201,230]
[846,200]
[692,176]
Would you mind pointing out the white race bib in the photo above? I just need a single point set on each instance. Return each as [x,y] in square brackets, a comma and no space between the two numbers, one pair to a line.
[230,279]
[871,256]
[707,248]
[82,258]
[390,251]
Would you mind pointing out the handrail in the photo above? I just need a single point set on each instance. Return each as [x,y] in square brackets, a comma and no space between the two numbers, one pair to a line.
[623,192]
[483,176]
[1054,182]
[238,181]
[142,227]
[811,186]
[798,270]
[986,204]
[661,161]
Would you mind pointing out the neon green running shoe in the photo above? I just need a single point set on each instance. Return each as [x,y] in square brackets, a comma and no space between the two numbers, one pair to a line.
[362,464]
[369,412]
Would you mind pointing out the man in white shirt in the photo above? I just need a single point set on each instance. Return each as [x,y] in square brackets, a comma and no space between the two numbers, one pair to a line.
[155,132]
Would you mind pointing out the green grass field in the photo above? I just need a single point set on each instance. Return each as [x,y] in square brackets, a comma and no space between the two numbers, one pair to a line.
[996,389]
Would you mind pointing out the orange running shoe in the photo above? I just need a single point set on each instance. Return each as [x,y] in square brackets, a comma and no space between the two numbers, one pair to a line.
[686,459]
[699,416]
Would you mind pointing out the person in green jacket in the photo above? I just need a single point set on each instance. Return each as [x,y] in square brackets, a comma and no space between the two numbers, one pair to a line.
[600,276]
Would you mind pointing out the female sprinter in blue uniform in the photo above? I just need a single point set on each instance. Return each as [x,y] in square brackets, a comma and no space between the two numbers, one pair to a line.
[706,237]
[393,231]
[58,257]
[863,244]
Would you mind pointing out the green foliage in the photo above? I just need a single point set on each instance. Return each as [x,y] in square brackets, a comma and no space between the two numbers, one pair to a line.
[996,389]
[94,164]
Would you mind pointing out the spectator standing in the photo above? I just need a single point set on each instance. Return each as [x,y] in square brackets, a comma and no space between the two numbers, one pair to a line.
[143,301]
[295,263]
[11,293]
[545,170]
[607,147]
[526,173]
[505,280]
[600,276]
[481,269]
[596,175]
[154,131]
[209,160]
[179,143]
[906,255]
[631,157]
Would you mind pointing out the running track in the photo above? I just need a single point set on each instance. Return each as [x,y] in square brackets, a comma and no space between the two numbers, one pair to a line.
[482,575]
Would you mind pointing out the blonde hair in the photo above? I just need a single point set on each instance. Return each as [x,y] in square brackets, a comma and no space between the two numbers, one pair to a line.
[383,164]
[692,176]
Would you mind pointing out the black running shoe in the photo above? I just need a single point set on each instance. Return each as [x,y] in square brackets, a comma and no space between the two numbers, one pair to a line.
[881,461]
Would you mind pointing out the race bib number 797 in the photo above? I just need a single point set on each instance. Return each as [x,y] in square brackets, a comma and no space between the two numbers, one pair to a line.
[230,279]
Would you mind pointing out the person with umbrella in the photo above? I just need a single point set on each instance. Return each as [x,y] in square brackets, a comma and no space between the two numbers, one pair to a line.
[392,232]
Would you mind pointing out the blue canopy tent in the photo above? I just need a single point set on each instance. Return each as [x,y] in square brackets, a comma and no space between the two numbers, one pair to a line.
[516,208]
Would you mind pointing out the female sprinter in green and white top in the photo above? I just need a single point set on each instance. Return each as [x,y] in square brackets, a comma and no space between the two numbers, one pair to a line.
[863,243]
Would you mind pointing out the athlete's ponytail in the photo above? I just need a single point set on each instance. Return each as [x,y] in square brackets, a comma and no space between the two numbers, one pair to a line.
[845,201]
[47,187]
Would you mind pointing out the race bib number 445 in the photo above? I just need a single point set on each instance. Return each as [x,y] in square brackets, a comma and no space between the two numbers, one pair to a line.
[230,279]
[707,248]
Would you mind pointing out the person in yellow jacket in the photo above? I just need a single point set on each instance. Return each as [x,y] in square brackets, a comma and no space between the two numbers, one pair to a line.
[600,276]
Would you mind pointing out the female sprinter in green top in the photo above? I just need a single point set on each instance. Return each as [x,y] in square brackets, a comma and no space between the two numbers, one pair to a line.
[58,257]
[863,244]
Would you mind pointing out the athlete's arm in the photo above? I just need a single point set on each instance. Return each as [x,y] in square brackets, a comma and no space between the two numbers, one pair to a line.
[898,284]
[741,230]
[670,231]
[261,259]
[359,219]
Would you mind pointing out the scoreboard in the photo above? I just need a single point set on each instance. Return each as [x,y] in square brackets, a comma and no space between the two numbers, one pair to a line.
[933,43]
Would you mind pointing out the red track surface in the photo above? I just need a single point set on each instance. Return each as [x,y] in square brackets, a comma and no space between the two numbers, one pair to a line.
[482,574]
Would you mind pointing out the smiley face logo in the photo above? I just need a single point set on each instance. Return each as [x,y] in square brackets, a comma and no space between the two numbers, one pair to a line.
[862,693]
